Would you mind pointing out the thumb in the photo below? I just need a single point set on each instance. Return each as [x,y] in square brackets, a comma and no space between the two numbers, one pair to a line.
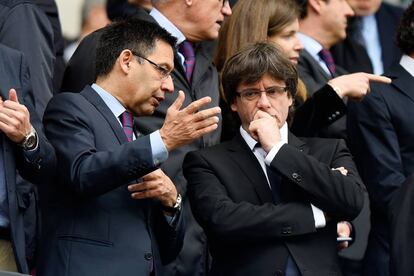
[179,101]
[13,95]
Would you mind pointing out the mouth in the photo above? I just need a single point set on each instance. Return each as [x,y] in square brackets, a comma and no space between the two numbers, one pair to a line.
[156,101]
[294,59]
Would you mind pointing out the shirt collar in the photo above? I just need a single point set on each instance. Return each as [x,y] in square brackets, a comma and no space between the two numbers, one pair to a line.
[167,25]
[114,105]
[407,63]
[310,45]
[252,142]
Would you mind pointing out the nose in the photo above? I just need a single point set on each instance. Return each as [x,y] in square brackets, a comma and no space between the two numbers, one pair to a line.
[263,103]
[226,9]
[167,85]
[298,45]
[348,10]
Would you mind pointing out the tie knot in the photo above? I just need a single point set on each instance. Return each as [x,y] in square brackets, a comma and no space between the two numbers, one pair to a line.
[127,121]
[326,56]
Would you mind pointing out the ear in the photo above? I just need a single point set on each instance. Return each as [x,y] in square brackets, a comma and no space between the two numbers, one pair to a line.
[233,106]
[124,60]
[315,5]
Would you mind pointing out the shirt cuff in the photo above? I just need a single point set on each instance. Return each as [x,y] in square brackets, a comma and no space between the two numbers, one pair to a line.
[159,151]
[318,215]
[272,153]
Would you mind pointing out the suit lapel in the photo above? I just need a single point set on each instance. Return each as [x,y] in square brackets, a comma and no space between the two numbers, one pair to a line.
[402,80]
[315,65]
[102,108]
[241,154]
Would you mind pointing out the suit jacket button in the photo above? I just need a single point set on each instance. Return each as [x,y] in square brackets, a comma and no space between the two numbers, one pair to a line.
[279,273]
[297,177]
[148,256]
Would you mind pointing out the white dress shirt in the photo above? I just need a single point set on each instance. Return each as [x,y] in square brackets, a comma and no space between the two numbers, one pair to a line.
[313,47]
[407,63]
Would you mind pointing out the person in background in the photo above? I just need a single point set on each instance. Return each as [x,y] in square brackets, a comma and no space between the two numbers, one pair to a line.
[380,136]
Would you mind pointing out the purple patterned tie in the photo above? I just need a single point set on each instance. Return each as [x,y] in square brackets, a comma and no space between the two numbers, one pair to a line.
[127,121]
[326,56]
[186,48]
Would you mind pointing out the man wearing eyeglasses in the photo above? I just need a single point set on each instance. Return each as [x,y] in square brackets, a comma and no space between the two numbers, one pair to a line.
[268,201]
[112,211]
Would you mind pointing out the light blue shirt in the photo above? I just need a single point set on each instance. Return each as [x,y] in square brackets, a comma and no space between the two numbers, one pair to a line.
[313,47]
[372,42]
[159,151]
[407,63]
[169,27]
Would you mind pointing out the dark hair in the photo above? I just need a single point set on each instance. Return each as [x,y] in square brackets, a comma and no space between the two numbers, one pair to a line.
[137,35]
[405,33]
[303,7]
[252,63]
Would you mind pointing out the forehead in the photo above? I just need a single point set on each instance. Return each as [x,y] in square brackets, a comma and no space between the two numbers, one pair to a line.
[264,81]
[162,54]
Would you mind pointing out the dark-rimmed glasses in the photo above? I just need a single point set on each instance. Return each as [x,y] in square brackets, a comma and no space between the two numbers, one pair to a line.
[254,94]
[165,73]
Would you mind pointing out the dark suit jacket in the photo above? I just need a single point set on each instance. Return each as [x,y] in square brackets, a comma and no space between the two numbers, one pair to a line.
[314,77]
[80,71]
[248,234]
[381,134]
[24,27]
[402,229]
[14,73]
[352,56]
[92,226]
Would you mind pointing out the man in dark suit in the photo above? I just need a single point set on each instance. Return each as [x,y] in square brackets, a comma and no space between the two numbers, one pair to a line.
[96,220]
[380,136]
[24,151]
[370,43]
[268,201]
[322,25]
[196,22]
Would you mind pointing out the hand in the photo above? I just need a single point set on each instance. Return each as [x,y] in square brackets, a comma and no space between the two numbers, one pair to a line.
[265,129]
[343,230]
[156,185]
[341,170]
[14,118]
[355,86]
[181,127]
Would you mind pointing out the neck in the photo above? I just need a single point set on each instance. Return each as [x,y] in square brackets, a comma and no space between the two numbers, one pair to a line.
[310,28]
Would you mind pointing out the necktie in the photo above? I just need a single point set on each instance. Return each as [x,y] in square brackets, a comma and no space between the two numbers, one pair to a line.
[127,121]
[274,181]
[326,56]
[186,48]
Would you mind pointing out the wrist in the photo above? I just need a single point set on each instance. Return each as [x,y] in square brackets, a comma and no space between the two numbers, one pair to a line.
[30,141]
[336,88]
[174,208]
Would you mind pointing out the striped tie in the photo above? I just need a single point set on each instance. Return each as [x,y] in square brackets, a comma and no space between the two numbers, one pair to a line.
[187,50]
[127,121]
[326,56]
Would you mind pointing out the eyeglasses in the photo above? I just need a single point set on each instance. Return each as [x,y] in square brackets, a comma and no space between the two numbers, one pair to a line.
[163,71]
[254,94]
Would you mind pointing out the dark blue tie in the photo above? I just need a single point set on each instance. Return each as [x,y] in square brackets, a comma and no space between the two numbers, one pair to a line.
[275,181]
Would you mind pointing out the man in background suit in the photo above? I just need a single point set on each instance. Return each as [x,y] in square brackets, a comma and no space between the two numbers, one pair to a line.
[97,220]
[25,27]
[267,193]
[322,25]
[380,136]
[370,43]
[197,22]
[23,149]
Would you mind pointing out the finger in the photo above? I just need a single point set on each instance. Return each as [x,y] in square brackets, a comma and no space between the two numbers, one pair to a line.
[206,123]
[137,187]
[5,128]
[146,194]
[179,101]
[13,95]
[196,105]
[204,114]
[9,117]
[206,130]
[380,79]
